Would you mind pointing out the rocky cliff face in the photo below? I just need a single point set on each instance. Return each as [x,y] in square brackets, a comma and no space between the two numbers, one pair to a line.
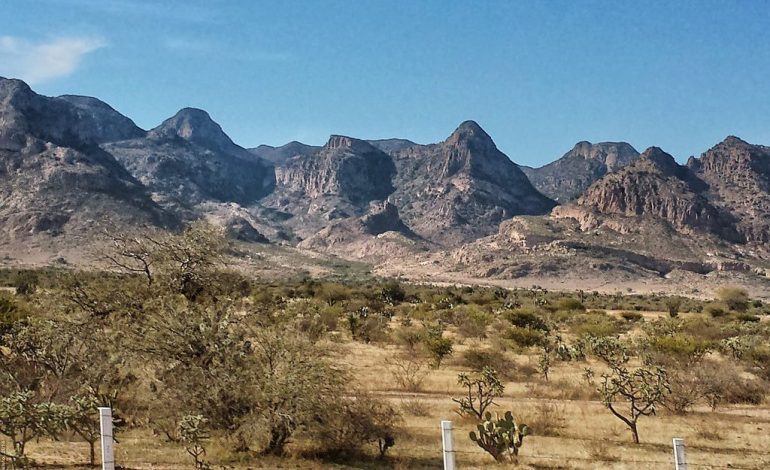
[188,159]
[738,178]
[656,186]
[54,179]
[345,167]
[336,182]
[568,177]
[461,188]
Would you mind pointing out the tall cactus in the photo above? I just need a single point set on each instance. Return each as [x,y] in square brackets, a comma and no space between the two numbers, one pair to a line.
[500,437]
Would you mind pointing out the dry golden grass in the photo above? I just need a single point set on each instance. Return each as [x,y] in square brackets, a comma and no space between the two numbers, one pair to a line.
[576,430]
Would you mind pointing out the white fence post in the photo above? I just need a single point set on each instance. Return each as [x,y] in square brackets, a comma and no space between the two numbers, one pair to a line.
[449,449]
[108,455]
[680,460]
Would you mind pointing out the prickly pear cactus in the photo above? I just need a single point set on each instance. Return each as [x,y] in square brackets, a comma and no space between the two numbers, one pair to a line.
[500,437]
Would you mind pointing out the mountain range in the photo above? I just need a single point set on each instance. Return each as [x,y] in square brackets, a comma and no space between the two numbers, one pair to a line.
[71,166]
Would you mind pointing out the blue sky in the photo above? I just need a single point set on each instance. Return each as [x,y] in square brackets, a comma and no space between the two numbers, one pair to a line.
[537,75]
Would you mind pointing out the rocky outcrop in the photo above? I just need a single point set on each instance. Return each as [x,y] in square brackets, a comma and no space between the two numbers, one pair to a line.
[462,188]
[738,177]
[568,177]
[656,186]
[188,159]
[379,232]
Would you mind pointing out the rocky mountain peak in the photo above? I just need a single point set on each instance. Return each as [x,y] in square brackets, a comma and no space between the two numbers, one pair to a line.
[738,178]
[613,155]
[733,141]
[279,155]
[196,126]
[656,159]
[108,123]
[348,143]
[11,87]
[569,176]
[470,134]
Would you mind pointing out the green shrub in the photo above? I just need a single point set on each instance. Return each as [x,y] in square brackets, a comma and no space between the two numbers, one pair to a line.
[26,282]
[471,321]
[526,318]
[571,304]
[715,310]
[747,317]
[524,337]
[595,325]
[438,347]
[683,348]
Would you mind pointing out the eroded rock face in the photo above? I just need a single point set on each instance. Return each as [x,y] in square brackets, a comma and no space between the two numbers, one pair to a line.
[655,185]
[462,188]
[345,167]
[568,177]
[738,178]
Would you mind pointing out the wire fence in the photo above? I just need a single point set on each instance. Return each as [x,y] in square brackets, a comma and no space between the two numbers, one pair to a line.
[565,459]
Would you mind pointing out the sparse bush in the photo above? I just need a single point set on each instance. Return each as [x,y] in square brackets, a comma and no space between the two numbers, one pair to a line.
[409,372]
[594,325]
[673,304]
[415,408]
[747,317]
[631,316]
[333,293]
[482,388]
[546,419]
[393,293]
[676,348]
[354,422]
[686,391]
[759,359]
[409,337]
[735,299]
[478,359]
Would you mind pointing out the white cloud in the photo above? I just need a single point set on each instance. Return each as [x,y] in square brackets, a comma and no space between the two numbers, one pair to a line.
[38,62]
